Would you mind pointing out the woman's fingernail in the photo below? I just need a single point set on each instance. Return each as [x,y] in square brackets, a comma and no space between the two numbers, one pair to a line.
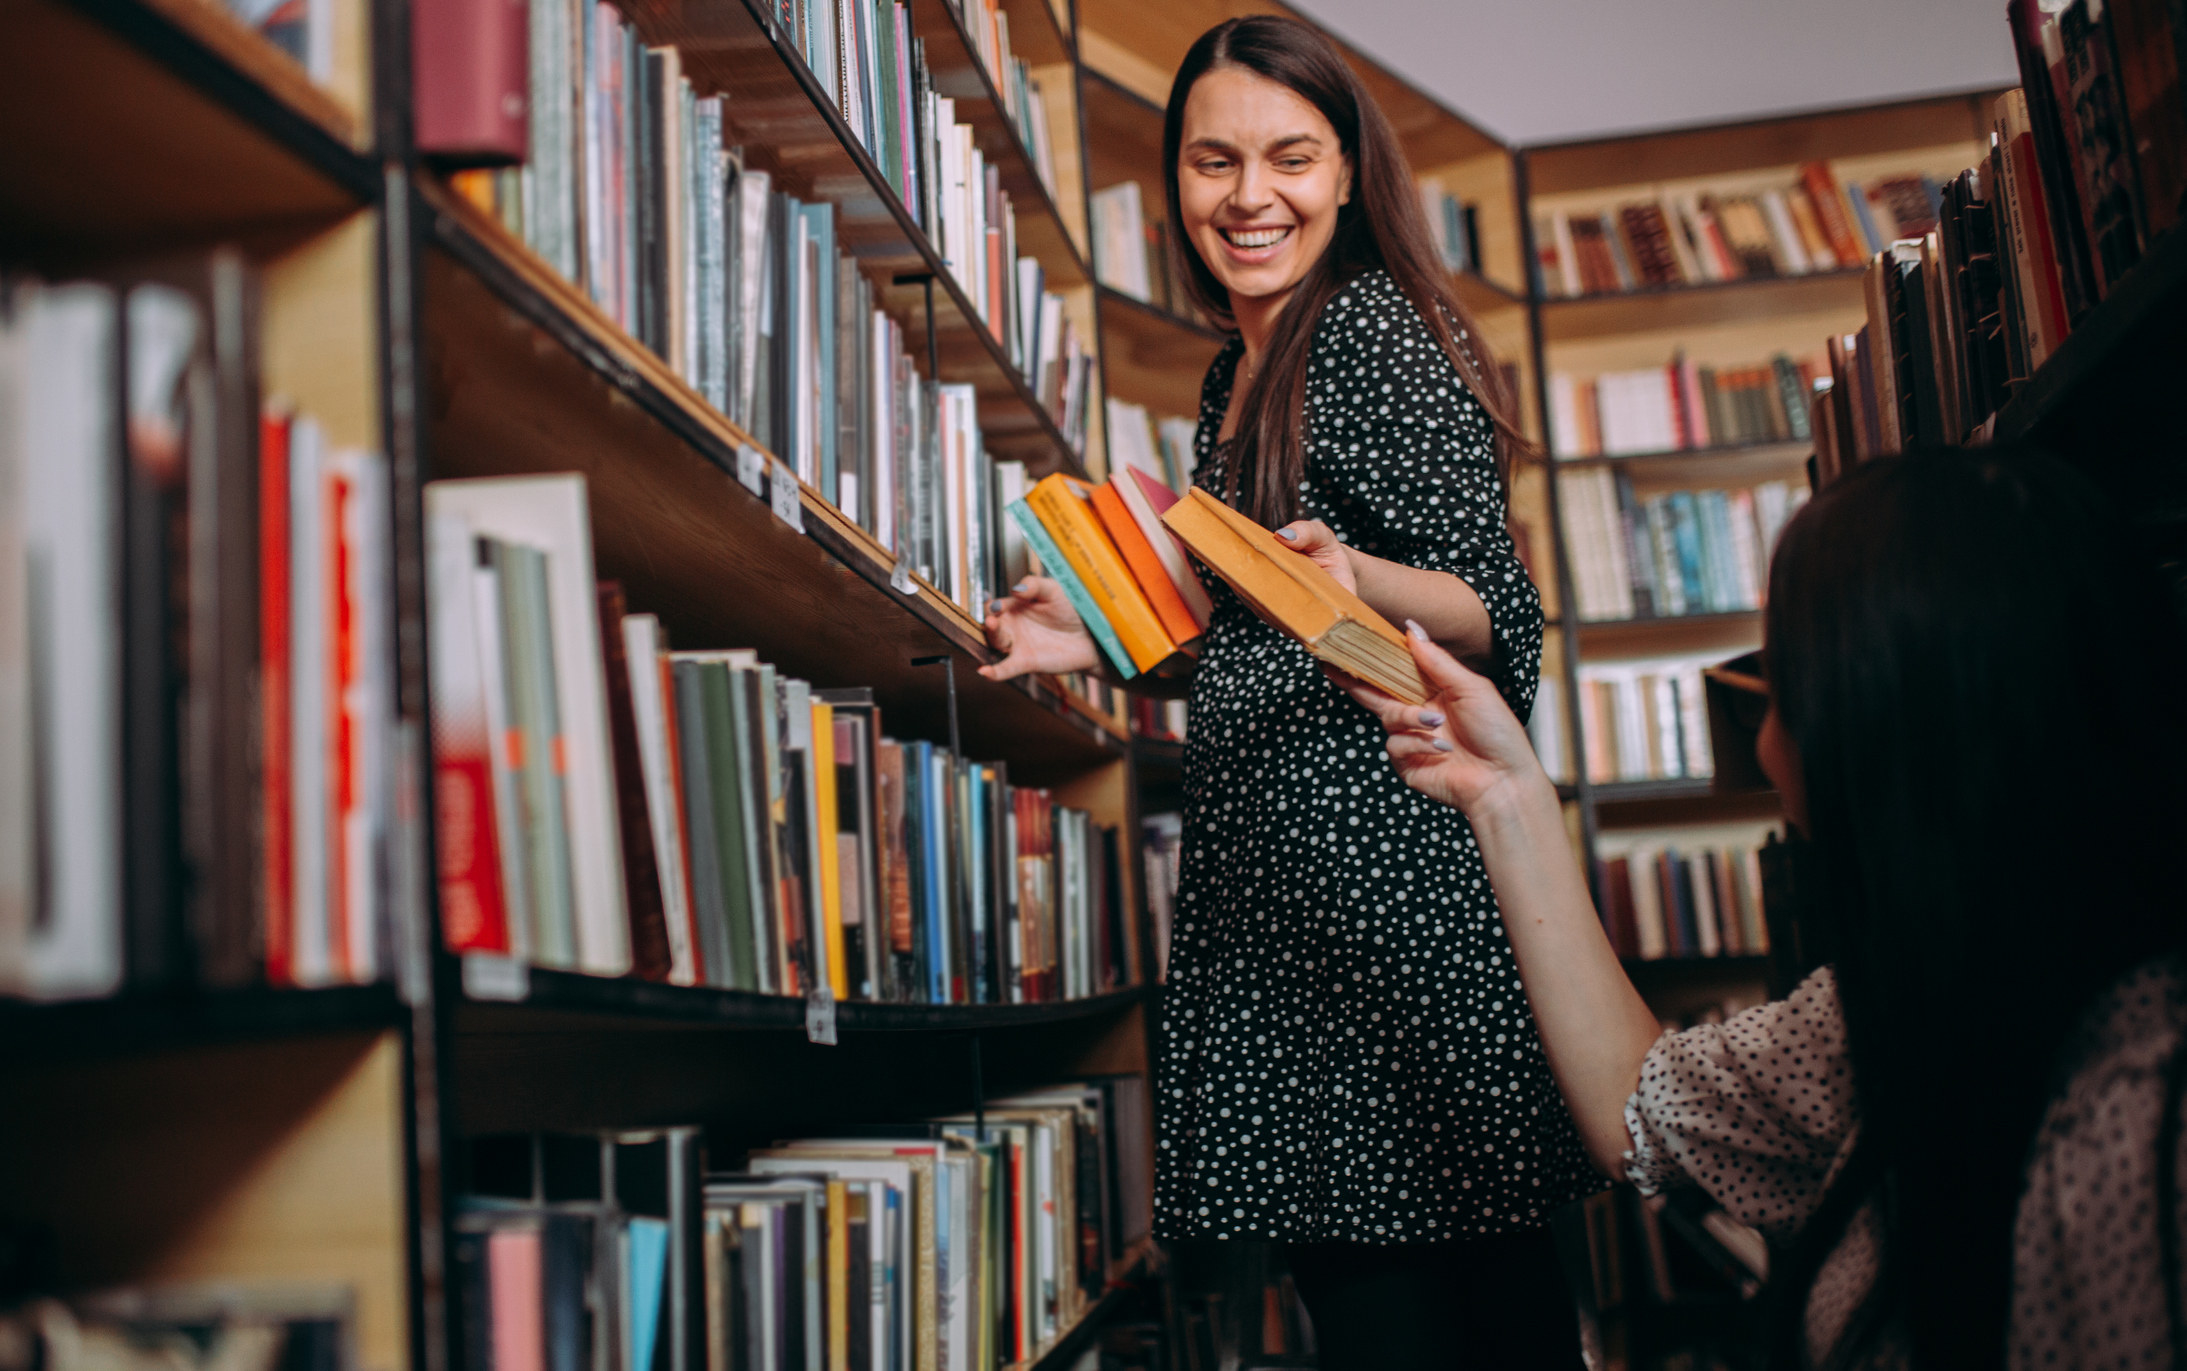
[998,605]
[1412,626]
[1429,718]
[1442,745]
[1021,588]
[1287,535]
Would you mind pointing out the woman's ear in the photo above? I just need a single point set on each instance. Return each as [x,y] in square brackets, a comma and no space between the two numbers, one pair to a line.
[1344,188]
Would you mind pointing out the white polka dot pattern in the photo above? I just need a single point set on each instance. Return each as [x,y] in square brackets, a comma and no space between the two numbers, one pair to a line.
[1345,1048]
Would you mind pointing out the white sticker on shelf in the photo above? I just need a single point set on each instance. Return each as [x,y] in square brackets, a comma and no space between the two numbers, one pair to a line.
[900,580]
[752,469]
[820,1016]
[788,507]
[489,976]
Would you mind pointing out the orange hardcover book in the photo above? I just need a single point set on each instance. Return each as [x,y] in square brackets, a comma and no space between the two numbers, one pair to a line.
[1837,224]
[1297,596]
[1063,509]
[1146,566]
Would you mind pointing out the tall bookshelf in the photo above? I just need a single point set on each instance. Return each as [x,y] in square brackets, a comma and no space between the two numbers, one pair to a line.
[280,1135]
[1725,324]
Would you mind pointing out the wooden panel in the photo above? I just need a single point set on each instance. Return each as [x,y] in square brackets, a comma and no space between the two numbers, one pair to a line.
[1669,315]
[321,331]
[1059,98]
[1725,635]
[1153,359]
[104,149]
[1735,147]
[273,1162]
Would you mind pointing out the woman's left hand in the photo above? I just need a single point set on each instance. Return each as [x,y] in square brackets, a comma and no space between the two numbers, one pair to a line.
[1315,539]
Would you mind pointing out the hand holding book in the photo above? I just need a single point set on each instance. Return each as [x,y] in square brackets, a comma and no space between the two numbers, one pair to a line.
[1318,543]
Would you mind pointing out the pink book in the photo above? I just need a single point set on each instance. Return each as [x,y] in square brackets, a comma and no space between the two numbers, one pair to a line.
[516,1277]
[1147,498]
[471,80]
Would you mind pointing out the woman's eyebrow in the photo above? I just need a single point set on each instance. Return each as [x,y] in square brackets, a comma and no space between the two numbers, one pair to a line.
[1277,144]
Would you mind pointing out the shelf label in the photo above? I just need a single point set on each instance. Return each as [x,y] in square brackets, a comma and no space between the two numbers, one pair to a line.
[487,976]
[820,1015]
[900,580]
[752,469]
[788,507]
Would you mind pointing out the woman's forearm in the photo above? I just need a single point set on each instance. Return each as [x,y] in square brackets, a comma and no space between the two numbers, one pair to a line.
[1595,1028]
[1439,602]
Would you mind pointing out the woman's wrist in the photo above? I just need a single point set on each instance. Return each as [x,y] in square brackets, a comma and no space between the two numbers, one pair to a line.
[1508,809]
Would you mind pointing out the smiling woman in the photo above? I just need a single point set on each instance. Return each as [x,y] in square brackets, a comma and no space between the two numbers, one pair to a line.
[1346,1060]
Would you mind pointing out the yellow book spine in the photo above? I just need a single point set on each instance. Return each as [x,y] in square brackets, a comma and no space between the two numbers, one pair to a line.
[829,877]
[838,1276]
[1070,520]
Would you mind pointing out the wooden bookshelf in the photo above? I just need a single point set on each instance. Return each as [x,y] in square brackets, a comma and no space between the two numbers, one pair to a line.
[275,1134]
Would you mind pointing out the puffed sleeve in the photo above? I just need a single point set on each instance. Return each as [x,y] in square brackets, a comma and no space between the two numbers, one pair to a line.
[1404,455]
[1757,1110]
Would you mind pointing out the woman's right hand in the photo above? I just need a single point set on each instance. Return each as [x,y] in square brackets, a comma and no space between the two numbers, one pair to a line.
[1464,747]
[1035,629]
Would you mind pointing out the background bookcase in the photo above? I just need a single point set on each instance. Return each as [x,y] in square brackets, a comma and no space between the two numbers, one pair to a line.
[1729,323]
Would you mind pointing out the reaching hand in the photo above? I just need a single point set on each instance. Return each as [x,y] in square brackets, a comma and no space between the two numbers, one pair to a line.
[1316,540]
[1036,629]
[1463,747]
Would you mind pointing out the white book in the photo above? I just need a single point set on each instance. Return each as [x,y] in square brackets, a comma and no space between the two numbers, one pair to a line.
[550,513]
[1545,729]
[71,515]
[1662,705]
[1682,247]
[494,682]
[657,773]
[1632,726]
[18,799]
[1167,549]
[1693,723]
[1564,417]
[361,698]
[1648,903]
[1567,254]
[1787,234]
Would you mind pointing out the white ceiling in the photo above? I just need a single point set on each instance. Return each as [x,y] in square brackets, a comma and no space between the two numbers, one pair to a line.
[1538,71]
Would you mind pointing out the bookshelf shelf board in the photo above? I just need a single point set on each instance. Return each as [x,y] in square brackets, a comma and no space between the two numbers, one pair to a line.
[1071,1344]
[788,126]
[529,378]
[1483,294]
[1610,639]
[163,1020]
[1726,454]
[1153,357]
[556,998]
[1162,754]
[1670,308]
[133,125]
[1650,792]
[2109,386]
[959,74]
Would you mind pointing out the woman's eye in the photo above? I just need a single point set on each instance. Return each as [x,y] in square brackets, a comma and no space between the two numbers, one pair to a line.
[1214,166]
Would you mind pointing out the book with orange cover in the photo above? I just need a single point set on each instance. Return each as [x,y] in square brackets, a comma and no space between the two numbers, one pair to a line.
[1297,596]
[1146,567]
[1147,498]
[1062,507]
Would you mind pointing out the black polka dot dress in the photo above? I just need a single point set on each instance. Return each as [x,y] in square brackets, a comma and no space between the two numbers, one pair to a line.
[1345,1051]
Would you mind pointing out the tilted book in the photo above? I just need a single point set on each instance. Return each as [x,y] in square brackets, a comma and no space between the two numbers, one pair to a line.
[1297,596]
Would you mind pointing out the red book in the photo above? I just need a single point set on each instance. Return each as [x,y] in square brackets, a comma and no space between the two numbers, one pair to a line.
[1837,225]
[276,772]
[470,64]
[646,910]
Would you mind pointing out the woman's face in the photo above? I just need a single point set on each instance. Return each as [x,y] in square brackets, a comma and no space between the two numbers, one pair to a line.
[1781,763]
[1260,175]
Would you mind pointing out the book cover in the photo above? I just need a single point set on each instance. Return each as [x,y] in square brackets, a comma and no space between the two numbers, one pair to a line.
[474,915]
[1062,506]
[470,81]
[1145,565]
[1295,595]
[1052,561]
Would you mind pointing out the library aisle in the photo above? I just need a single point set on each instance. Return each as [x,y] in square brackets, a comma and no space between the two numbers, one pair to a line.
[508,861]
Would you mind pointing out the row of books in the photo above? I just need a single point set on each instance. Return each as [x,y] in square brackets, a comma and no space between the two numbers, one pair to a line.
[1681,407]
[989,28]
[965,1243]
[1124,572]
[1453,224]
[186,1326]
[1674,1249]
[1161,448]
[609,805]
[2086,165]
[197,723]
[1161,721]
[1680,552]
[1704,901]
[1813,224]
[1644,720]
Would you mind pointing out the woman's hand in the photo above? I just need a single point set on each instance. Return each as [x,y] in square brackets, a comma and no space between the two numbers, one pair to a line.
[1464,747]
[1036,629]
[1316,540]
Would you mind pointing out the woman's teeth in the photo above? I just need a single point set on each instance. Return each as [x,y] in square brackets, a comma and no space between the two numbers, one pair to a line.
[1256,238]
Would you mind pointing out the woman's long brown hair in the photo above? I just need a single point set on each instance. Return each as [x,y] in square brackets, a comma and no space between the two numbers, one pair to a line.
[1382,226]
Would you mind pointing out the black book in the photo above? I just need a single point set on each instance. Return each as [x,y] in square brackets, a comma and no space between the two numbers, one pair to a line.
[864,936]
[1919,402]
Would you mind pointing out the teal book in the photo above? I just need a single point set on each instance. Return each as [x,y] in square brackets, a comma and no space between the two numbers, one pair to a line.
[648,1255]
[1051,560]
